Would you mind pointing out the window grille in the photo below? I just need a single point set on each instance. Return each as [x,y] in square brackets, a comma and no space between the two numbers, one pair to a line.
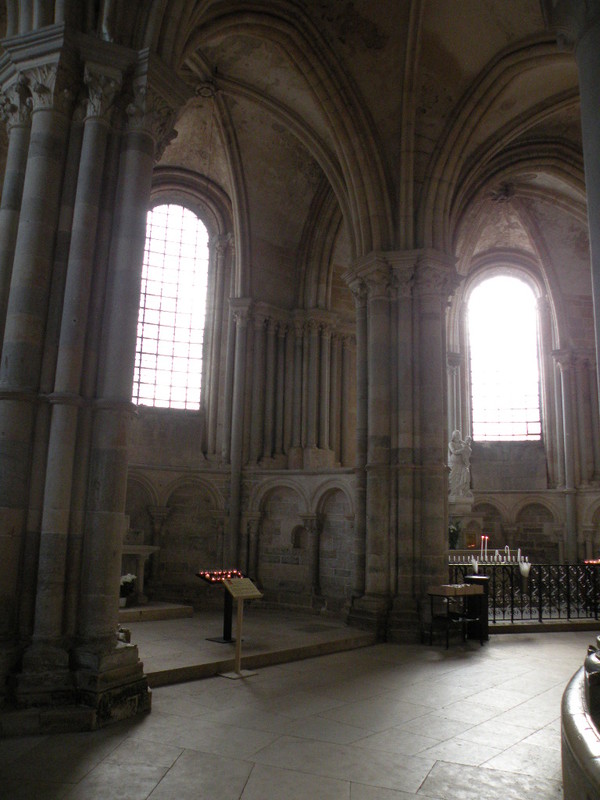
[505,393]
[168,363]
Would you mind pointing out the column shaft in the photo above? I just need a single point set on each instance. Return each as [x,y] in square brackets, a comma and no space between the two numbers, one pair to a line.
[297,392]
[269,392]
[258,391]
[110,435]
[23,343]
[214,363]
[335,404]
[229,361]
[230,550]
[10,206]
[587,55]
[325,388]
[63,427]
[280,389]
[565,364]
[313,384]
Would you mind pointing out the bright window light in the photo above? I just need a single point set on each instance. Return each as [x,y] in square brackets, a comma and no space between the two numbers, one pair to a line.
[168,362]
[502,323]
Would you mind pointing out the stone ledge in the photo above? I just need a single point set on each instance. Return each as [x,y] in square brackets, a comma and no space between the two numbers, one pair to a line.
[580,743]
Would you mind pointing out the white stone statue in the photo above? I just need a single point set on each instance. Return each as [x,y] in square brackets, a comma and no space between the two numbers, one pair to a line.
[459,461]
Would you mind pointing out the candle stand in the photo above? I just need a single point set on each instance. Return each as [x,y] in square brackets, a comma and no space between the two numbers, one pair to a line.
[216,577]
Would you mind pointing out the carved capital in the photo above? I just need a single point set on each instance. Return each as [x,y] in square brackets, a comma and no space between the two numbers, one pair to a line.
[359,292]
[240,309]
[402,281]
[102,87]
[378,281]
[151,113]
[220,243]
[51,86]
[16,103]
[436,275]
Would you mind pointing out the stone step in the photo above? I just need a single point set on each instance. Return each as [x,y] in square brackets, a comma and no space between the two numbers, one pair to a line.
[155,610]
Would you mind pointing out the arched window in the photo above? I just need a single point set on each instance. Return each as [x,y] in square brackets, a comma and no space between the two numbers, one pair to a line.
[168,363]
[503,347]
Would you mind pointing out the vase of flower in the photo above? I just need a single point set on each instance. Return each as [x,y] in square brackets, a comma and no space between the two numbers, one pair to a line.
[126,588]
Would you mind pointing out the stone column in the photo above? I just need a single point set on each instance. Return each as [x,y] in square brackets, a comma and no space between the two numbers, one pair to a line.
[269,392]
[258,390]
[26,317]
[16,111]
[372,275]
[578,27]
[345,444]
[407,534]
[547,387]
[435,280]
[219,247]
[312,384]
[359,292]
[280,389]
[66,399]
[560,438]
[241,311]
[288,394]
[565,364]
[377,278]
[295,455]
[228,399]
[325,388]
[454,366]
[595,411]
[335,399]
[108,677]
[584,419]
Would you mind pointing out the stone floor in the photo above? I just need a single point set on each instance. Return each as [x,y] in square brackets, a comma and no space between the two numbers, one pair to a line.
[382,722]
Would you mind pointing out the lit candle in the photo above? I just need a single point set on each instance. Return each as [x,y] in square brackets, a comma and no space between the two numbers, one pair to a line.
[482,548]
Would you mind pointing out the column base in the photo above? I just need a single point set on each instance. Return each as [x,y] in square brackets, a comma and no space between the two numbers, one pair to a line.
[45,678]
[370,613]
[112,683]
[58,692]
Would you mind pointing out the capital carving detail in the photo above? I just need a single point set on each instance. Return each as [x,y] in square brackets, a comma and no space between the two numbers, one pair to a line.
[220,243]
[51,88]
[16,103]
[359,293]
[151,113]
[434,278]
[102,89]
[378,283]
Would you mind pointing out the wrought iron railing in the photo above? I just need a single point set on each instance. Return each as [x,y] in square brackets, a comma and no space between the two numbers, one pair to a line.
[550,592]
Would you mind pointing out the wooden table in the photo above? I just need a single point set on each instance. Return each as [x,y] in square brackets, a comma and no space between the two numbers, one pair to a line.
[449,608]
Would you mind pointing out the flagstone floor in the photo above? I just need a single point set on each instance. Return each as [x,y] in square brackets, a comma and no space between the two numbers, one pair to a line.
[382,722]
